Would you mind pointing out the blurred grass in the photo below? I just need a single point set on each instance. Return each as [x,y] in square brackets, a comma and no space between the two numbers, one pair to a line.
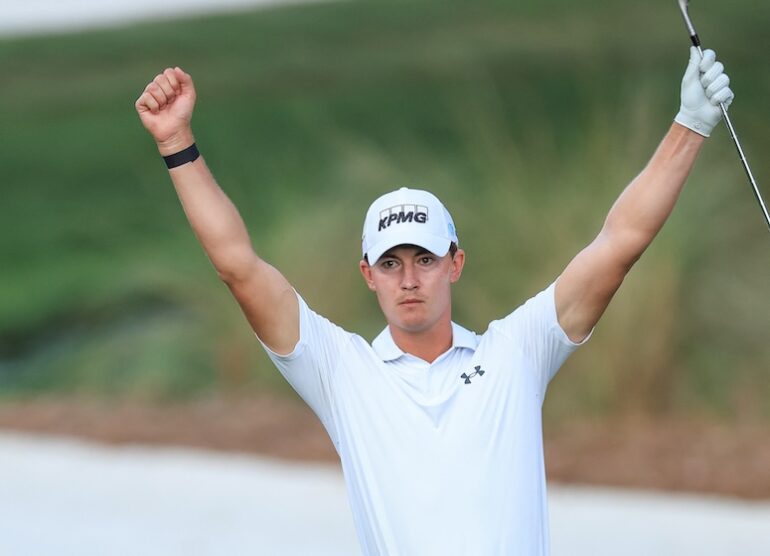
[526,118]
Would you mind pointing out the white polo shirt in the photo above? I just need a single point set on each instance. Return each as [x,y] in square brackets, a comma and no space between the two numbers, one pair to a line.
[441,458]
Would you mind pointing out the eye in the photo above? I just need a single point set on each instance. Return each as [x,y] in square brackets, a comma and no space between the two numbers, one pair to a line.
[387,264]
[426,260]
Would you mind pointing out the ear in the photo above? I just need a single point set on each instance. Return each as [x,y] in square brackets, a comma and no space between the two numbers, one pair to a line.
[458,262]
[366,272]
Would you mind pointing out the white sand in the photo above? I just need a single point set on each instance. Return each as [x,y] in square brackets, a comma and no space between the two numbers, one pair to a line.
[65,497]
[24,17]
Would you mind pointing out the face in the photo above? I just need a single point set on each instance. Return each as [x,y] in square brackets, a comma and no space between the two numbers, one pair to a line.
[413,285]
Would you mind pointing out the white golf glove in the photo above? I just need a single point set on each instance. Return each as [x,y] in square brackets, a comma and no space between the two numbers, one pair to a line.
[704,86]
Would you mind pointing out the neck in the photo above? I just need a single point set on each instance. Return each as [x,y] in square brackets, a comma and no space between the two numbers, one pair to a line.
[426,344]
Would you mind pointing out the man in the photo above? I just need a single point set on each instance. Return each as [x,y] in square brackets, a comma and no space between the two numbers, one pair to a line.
[438,429]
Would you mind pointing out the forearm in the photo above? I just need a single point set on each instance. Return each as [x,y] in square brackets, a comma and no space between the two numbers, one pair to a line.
[643,207]
[213,217]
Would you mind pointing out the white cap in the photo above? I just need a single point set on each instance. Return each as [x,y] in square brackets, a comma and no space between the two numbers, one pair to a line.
[407,216]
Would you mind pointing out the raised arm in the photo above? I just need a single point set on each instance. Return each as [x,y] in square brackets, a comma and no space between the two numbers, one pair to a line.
[267,299]
[587,285]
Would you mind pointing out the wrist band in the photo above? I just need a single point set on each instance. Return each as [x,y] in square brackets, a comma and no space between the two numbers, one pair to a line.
[182,157]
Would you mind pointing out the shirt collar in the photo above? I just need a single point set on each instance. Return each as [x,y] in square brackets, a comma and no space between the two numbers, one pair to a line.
[387,350]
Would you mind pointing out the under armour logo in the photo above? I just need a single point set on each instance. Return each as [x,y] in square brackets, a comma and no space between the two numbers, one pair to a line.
[478,371]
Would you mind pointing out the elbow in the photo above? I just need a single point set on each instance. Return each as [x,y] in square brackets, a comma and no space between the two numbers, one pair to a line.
[235,268]
[227,275]
[627,246]
[628,236]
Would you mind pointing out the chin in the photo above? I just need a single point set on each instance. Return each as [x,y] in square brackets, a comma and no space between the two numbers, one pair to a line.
[412,324]
[410,327]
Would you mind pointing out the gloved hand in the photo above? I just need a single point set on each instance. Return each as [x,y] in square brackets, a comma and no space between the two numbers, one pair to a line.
[704,86]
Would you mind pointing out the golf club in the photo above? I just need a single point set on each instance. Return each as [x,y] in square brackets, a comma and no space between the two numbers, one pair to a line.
[696,42]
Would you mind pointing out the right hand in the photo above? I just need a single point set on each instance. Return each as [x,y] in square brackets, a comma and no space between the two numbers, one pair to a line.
[165,108]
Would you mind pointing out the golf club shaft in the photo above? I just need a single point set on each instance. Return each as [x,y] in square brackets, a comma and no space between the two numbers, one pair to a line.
[696,42]
[742,156]
[754,187]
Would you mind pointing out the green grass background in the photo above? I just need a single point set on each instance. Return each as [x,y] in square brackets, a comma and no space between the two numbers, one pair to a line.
[527,118]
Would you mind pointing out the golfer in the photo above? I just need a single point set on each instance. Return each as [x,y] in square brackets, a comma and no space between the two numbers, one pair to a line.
[438,428]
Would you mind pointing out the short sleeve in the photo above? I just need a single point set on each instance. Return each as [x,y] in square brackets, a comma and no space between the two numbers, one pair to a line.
[309,368]
[535,328]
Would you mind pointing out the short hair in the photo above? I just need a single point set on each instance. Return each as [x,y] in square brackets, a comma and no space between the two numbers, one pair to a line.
[452,251]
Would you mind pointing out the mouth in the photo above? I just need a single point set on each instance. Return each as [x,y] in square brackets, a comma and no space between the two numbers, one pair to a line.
[410,301]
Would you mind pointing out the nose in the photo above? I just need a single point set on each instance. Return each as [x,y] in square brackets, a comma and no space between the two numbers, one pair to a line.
[409,278]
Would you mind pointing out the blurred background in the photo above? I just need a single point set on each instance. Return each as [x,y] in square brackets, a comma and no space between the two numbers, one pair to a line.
[526,118]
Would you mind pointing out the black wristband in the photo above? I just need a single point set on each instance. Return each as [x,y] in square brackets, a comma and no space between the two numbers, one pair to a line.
[182,157]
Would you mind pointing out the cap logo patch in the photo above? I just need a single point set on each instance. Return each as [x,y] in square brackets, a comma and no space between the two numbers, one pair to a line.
[402,213]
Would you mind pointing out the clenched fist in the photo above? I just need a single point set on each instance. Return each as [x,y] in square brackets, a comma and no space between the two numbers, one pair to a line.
[165,108]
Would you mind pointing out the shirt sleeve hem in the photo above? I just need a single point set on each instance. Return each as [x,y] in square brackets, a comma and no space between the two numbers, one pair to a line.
[562,335]
[299,346]
[293,354]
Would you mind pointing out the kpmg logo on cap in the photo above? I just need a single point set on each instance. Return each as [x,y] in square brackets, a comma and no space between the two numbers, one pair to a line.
[402,213]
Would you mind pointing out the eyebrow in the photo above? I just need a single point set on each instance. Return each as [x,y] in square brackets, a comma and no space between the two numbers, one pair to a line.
[420,251]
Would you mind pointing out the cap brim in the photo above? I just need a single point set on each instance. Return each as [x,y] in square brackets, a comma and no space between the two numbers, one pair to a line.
[437,245]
